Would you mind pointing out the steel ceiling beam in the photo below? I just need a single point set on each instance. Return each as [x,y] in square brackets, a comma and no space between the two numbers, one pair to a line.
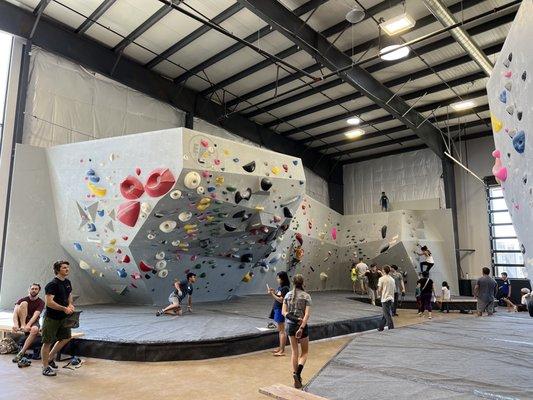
[332,58]
[345,142]
[422,22]
[402,150]
[490,50]
[333,30]
[202,30]
[254,37]
[39,9]
[388,118]
[154,19]
[373,107]
[96,14]
[61,40]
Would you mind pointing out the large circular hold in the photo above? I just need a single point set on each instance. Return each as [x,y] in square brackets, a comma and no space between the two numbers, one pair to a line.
[128,213]
[160,255]
[175,194]
[266,184]
[159,182]
[250,167]
[146,208]
[163,273]
[167,226]
[192,180]
[184,216]
[131,188]
[160,265]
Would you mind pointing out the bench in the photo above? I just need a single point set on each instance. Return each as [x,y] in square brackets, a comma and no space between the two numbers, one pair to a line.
[283,392]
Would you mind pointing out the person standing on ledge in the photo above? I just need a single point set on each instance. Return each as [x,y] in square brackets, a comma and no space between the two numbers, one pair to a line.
[181,290]
[296,310]
[384,202]
[485,290]
[386,289]
[59,305]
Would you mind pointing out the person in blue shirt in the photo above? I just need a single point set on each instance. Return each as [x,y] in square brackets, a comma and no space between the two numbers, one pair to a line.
[504,293]
[181,290]
[278,295]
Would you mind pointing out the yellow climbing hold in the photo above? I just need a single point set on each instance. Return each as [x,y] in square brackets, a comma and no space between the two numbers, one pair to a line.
[260,208]
[98,191]
[497,125]
[275,170]
[226,152]
[219,180]
[109,249]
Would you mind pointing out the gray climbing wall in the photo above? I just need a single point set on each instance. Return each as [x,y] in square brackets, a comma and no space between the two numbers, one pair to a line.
[510,97]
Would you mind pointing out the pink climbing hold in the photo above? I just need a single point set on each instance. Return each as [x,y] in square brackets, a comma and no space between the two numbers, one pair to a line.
[131,188]
[136,276]
[498,170]
[507,74]
[128,213]
[205,174]
[159,182]
[217,162]
[501,175]
[299,238]
[144,267]
[496,154]
[334,233]
[204,142]
[138,171]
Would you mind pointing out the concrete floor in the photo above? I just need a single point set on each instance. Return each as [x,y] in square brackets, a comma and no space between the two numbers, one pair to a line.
[237,377]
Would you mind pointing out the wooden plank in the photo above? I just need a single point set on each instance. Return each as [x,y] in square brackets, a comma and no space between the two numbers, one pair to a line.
[283,392]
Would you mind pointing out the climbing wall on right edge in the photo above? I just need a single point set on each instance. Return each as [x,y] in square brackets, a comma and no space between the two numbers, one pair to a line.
[510,94]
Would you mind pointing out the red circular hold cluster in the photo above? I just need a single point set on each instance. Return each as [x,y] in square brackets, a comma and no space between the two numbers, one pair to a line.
[131,188]
[159,182]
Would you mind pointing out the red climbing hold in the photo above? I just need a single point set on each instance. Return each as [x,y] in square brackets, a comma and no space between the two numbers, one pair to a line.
[131,188]
[128,213]
[144,267]
[126,259]
[159,182]
[138,171]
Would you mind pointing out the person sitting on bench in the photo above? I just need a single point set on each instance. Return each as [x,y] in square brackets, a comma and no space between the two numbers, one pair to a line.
[26,318]
[181,290]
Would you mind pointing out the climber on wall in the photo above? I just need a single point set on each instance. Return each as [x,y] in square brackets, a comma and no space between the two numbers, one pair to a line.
[384,202]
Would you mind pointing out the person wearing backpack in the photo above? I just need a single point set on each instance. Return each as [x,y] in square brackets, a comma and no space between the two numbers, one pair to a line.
[296,310]
[426,294]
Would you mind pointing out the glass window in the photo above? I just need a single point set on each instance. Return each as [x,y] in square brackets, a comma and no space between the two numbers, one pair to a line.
[505,247]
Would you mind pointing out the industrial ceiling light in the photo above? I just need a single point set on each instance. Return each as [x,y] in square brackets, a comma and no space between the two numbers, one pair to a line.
[389,54]
[353,121]
[398,24]
[463,105]
[355,15]
[354,133]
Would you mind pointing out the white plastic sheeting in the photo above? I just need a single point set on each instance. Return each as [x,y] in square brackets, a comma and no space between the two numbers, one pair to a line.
[315,186]
[67,103]
[404,177]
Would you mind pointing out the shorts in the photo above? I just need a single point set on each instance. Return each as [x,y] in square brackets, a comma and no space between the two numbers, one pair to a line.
[483,306]
[174,299]
[277,316]
[54,330]
[292,328]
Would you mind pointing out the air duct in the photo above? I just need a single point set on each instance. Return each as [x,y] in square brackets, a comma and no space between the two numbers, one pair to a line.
[446,18]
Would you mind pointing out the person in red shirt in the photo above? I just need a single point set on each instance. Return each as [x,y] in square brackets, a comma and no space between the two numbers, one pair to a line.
[26,317]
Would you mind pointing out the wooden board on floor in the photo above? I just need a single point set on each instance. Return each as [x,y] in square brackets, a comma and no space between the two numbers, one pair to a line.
[283,392]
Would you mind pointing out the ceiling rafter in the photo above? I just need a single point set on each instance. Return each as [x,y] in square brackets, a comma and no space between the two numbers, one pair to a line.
[96,14]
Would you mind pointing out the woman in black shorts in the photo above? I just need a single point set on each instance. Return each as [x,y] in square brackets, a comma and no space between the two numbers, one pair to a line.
[296,310]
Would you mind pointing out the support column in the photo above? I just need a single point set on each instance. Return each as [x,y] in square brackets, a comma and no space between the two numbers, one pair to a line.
[189,120]
[336,189]
[448,177]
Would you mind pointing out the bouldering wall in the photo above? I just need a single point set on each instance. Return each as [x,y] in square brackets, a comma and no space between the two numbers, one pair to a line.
[33,243]
[510,98]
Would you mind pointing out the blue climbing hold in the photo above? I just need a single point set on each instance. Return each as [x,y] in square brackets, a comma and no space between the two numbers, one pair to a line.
[519,142]
[91,172]
[94,179]
[77,246]
[503,96]
[105,259]
[101,213]
[122,273]
[211,189]
[91,227]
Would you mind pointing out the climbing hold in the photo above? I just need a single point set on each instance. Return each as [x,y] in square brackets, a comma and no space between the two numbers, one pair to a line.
[84,265]
[266,184]
[503,96]
[98,191]
[163,273]
[507,74]
[334,233]
[128,213]
[146,208]
[144,267]
[126,259]
[287,213]
[239,214]
[104,258]
[510,109]
[167,226]
[496,154]
[200,190]
[519,142]
[192,180]
[229,227]
[204,143]
[122,273]
[131,188]
[299,238]
[250,167]
[175,194]
[247,258]
[323,276]
[160,255]
[508,86]
[497,125]
[524,75]
[242,196]
[275,170]
[161,264]
[94,179]
[184,216]
[384,231]
[247,277]
[91,227]
[501,174]
[519,115]
[159,182]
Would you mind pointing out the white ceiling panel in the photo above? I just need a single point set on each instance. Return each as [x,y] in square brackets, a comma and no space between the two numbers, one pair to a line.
[74,16]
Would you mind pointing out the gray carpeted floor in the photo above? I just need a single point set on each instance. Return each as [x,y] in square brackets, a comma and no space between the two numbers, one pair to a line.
[464,358]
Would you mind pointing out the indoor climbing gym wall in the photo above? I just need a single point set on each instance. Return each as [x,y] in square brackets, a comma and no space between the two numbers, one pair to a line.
[136,212]
[510,97]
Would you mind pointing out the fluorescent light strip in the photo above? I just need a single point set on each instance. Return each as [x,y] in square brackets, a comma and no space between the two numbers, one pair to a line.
[463,105]
[398,24]
[354,133]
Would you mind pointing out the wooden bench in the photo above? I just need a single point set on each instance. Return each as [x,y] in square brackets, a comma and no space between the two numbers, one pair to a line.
[5,329]
[283,392]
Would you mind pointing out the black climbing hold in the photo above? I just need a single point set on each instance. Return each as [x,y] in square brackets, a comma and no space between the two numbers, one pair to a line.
[287,213]
[523,249]
[266,184]
[250,167]
[519,115]
[147,276]
[247,258]
[524,75]
[229,227]
[239,214]
[510,57]
[242,196]
[384,231]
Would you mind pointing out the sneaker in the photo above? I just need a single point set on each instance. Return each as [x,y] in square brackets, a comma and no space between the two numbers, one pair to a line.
[17,358]
[24,362]
[419,314]
[159,312]
[429,317]
[297,381]
[271,325]
[53,364]
[48,371]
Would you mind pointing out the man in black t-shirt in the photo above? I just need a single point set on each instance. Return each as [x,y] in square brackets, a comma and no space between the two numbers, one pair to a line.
[58,299]
[373,276]
[181,290]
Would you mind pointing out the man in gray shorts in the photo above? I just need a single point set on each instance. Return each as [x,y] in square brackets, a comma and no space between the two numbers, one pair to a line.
[181,290]
[485,292]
